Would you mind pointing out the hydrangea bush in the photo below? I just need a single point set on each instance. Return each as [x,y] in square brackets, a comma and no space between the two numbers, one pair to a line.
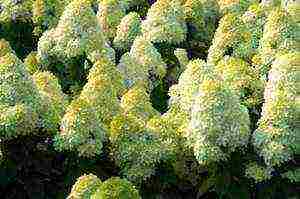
[97,70]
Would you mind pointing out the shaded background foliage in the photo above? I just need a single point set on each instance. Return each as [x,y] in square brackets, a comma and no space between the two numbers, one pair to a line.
[35,170]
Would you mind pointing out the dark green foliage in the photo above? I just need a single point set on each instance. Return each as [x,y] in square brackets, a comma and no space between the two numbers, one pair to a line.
[72,75]
[159,97]
[20,36]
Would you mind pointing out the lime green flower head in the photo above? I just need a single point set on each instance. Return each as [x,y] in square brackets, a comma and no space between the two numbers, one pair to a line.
[188,84]
[127,31]
[254,20]
[19,97]
[218,122]
[31,63]
[116,188]
[280,36]
[257,172]
[77,33]
[227,6]
[133,73]
[137,101]
[137,153]
[277,136]
[81,130]
[242,78]
[239,34]
[227,35]
[135,149]
[136,108]
[142,65]
[4,47]
[167,131]
[84,126]
[91,187]
[54,100]
[109,15]
[85,187]
[165,22]
[146,55]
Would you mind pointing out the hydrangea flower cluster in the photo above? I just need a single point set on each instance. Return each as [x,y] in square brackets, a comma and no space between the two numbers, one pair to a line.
[277,136]
[28,102]
[84,126]
[90,186]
